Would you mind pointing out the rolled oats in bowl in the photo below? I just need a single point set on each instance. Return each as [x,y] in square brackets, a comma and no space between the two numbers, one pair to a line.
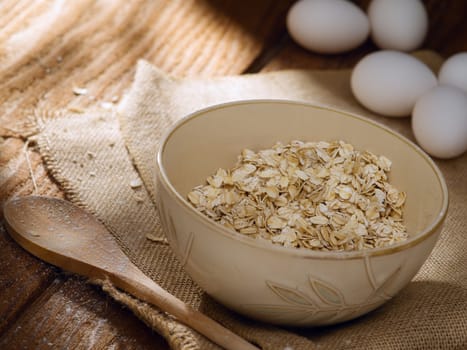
[324,196]
[303,233]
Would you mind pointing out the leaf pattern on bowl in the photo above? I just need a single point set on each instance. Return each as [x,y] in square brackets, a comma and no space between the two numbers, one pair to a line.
[327,293]
[292,295]
[303,308]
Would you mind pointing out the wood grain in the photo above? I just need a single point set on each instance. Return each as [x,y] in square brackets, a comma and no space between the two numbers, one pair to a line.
[70,314]
[22,277]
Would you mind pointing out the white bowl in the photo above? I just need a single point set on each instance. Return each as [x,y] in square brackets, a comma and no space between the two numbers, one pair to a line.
[277,284]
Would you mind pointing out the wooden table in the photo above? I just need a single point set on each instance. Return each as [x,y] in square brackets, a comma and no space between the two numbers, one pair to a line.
[47,48]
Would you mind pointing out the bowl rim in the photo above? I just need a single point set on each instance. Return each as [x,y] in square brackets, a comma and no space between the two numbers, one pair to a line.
[429,230]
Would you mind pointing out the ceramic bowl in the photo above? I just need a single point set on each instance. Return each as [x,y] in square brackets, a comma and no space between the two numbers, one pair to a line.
[277,284]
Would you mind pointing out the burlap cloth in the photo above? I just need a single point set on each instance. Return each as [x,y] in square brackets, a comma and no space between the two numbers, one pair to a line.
[104,161]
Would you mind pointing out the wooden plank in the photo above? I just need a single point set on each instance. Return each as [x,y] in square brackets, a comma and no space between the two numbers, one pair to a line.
[22,277]
[73,315]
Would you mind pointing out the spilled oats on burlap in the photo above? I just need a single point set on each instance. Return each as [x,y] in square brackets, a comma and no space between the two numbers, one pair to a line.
[105,162]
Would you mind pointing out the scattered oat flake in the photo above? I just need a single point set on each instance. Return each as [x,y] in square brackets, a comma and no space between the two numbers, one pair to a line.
[80,91]
[107,105]
[135,183]
[314,195]
[76,110]
[157,239]
[139,199]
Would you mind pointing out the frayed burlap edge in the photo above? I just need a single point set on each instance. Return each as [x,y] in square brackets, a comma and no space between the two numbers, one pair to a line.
[176,334]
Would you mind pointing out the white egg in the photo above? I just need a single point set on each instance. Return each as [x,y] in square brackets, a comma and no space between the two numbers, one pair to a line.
[439,121]
[454,71]
[390,82]
[398,24]
[327,26]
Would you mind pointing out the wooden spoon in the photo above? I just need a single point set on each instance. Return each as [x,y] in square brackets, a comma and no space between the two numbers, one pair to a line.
[64,235]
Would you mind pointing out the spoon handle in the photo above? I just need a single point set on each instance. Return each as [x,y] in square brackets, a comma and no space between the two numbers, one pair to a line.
[144,288]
